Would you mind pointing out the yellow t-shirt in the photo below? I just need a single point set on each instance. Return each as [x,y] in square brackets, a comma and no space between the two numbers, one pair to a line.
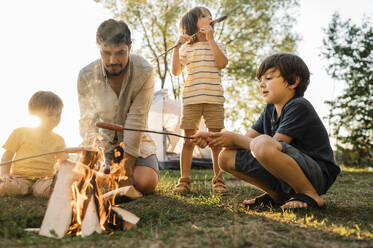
[32,141]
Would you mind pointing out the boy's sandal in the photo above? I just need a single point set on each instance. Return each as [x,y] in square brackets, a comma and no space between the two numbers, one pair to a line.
[218,186]
[183,186]
[311,203]
[264,200]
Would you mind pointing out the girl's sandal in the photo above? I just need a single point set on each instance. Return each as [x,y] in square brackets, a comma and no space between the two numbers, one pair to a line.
[183,186]
[218,186]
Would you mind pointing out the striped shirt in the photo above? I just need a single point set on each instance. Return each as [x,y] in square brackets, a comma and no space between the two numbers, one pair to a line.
[203,84]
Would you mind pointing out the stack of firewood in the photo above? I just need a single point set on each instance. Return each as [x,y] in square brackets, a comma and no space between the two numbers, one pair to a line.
[77,206]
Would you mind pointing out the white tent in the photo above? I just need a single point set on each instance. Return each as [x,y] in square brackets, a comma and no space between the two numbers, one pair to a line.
[165,115]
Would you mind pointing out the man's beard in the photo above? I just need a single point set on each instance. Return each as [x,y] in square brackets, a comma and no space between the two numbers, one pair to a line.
[108,73]
[115,73]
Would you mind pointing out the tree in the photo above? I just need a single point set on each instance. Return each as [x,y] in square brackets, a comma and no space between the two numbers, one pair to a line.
[155,22]
[253,30]
[348,50]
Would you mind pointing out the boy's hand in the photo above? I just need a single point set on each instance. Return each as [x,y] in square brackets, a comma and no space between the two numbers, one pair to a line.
[208,30]
[183,39]
[222,139]
[6,177]
[201,139]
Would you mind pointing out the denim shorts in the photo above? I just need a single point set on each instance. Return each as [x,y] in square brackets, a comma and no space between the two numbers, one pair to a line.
[247,164]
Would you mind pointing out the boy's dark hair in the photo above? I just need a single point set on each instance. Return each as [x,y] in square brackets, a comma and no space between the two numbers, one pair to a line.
[113,32]
[188,23]
[291,67]
[44,101]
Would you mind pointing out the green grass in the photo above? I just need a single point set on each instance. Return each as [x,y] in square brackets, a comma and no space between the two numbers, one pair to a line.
[205,220]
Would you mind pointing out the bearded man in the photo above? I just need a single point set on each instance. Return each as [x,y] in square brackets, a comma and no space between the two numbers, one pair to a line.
[118,88]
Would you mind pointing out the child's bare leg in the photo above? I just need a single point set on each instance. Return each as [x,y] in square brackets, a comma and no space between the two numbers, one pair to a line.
[186,157]
[15,186]
[269,153]
[218,183]
[227,160]
[215,151]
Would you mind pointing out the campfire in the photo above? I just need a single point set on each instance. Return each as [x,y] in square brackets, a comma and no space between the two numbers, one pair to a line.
[83,200]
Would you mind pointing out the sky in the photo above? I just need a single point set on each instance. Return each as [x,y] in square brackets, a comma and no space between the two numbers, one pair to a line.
[44,44]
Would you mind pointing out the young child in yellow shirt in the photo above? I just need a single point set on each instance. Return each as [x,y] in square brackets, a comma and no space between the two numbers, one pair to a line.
[33,175]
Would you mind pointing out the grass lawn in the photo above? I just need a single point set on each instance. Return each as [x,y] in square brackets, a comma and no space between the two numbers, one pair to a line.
[205,220]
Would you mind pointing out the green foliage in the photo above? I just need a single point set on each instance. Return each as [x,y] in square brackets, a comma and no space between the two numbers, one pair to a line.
[253,30]
[156,23]
[348,49]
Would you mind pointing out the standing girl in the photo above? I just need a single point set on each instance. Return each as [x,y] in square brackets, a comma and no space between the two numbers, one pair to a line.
[203,92]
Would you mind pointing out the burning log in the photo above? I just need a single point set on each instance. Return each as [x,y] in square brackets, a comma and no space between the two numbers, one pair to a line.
[91,222]
[78,207]
[128,218]
[127,191]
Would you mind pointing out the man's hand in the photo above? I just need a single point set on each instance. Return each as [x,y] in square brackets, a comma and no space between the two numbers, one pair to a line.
[129,166]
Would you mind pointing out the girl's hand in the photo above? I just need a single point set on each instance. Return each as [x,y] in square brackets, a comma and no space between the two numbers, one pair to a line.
[183,39]
[222,139]
[208,30]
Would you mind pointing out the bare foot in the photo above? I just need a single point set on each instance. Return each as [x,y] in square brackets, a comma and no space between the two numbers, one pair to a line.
[265,199]
[304,203]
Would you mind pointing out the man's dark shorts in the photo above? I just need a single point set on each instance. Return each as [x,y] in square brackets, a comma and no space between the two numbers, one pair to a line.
[150,161]
[247,164]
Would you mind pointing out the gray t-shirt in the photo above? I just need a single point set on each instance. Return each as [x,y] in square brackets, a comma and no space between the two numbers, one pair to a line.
[300,121]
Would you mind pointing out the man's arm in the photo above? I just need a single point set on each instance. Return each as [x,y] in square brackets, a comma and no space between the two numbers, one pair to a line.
[88,115]
[129,166]
[137,116]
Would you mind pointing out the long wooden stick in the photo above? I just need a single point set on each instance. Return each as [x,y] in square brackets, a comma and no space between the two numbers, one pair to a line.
[67,150]
[194,35]
[119,128]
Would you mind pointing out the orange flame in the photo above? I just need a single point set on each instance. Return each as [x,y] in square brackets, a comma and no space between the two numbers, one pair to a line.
[93,183]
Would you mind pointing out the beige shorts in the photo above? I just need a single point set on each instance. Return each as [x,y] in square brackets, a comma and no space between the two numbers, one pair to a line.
[212,113]
[20,186]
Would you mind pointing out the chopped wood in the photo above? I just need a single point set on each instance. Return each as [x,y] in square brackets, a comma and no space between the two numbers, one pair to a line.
[91,222]
[129,218]
[128,191]
[57,218]
[33,230]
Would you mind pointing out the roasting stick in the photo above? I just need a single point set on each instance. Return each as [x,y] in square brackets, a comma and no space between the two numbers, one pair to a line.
[119,128]
[194,35]
[99,124]
[67,150]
